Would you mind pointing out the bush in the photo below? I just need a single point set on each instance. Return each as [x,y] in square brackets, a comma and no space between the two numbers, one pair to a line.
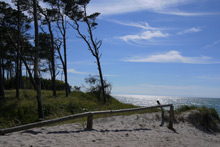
[205,118]
[184,108]
[95,87]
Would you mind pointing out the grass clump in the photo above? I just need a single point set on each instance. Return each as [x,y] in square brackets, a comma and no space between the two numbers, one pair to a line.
[204,118]
[185,108]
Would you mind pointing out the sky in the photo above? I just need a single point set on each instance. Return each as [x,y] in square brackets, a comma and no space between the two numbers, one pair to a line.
[152,47]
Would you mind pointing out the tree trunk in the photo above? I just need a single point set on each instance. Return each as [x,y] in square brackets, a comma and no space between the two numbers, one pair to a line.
[10,72]
[65,59]
[52,60]
[63,32]
[18,53]
[19,45]
[2,93]
[3,72]
[36,66]
[21,78]
[101,78]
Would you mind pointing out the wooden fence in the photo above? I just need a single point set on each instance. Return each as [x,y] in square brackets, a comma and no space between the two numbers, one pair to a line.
[89,116]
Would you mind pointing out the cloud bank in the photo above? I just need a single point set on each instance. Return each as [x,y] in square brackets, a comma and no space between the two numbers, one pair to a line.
[172,57]
[112,7]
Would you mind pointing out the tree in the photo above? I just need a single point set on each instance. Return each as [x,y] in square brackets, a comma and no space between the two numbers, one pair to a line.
[8,24]
[93,43]
[62,28]
[50,16]
[63,6]
[14,27]
[36,60]
[18,70]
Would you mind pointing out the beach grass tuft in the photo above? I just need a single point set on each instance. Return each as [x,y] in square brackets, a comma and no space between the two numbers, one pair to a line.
[203,118]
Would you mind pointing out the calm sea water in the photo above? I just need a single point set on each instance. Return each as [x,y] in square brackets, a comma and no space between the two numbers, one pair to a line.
[147,100]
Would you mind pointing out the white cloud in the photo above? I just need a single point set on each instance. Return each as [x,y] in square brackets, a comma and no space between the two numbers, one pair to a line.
[173,57]
[124,6]
[191,30]
[180,13]
[111,7]
[143,25]
[147,35]
[213,44]
[76,72]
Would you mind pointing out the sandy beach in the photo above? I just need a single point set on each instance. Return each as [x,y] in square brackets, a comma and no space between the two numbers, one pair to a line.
[117,131]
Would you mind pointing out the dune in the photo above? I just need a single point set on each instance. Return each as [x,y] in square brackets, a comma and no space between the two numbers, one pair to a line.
[139,130]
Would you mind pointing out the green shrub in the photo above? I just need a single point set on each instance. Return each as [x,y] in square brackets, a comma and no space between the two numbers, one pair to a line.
[184,108]
[205,118]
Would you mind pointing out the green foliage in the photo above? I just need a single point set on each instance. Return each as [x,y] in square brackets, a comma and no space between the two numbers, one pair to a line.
[94,86]
[204,118]
[184,108]
[45,83]
[14,112]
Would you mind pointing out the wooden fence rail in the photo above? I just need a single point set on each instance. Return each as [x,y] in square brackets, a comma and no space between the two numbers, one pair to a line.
[89,116]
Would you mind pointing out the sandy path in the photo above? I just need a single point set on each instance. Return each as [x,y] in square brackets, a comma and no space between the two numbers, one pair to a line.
[139,130]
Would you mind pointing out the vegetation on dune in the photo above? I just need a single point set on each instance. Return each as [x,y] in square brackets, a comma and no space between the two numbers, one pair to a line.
[15,112]
[203,118]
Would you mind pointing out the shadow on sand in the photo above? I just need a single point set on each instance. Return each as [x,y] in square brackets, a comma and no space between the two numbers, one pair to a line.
[102,131]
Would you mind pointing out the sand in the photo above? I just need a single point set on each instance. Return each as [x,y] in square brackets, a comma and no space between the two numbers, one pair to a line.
[140,130]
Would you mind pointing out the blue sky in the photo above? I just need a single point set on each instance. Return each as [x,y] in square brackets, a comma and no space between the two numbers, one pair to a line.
[153,47]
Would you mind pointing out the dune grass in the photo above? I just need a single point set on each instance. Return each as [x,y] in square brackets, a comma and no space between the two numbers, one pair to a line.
[21,111]
[203,117]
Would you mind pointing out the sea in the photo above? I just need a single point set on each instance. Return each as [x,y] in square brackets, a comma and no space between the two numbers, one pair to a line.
[149,100]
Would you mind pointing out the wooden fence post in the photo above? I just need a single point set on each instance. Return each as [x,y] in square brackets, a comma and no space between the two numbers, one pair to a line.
[171,117]
[89,122]
[162,113]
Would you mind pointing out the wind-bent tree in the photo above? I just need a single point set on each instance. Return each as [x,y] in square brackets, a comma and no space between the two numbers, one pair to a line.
[36,60]
[62,26]
[62,6]
[93,43]
[49,17]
